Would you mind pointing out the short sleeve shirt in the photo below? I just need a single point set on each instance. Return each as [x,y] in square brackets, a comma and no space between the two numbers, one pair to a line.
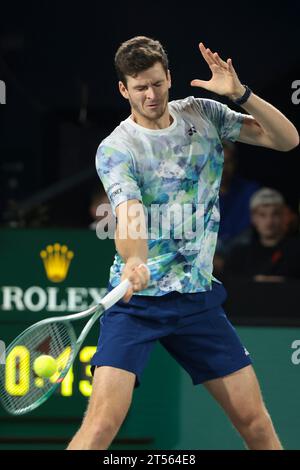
[175,173]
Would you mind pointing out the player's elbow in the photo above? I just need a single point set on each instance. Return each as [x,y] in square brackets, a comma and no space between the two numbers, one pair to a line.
[290,143]
[294,144]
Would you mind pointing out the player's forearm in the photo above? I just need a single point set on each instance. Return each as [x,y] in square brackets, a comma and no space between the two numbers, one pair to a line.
[131,249]
[280,131]
[134,253]
[131,236]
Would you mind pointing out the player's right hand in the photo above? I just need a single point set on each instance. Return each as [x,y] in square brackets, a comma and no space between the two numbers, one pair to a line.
[138,274]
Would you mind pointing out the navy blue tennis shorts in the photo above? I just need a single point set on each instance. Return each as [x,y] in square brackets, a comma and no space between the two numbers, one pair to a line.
[193,328]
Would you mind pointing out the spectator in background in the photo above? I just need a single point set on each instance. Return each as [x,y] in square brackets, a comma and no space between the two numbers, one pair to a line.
[235,194]
[271,255]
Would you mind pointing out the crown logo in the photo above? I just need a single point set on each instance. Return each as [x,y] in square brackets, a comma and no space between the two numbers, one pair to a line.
[56,259]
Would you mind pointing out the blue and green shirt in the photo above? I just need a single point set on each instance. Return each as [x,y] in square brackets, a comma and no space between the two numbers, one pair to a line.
[176,173]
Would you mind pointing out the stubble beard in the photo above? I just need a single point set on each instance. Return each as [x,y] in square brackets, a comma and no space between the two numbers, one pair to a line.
[151,116]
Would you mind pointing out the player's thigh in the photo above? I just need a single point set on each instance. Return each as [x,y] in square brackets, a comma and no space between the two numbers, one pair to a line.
[239,394]
[112,391]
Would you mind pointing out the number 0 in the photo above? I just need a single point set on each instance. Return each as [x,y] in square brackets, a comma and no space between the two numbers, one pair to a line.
[17,376]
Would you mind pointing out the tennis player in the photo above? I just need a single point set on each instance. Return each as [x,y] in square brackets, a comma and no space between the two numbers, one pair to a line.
[165,162]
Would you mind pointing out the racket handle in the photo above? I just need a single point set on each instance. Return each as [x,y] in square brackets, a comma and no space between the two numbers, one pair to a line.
[116,294]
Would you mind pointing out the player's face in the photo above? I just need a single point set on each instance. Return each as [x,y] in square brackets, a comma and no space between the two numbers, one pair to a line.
[268,220]
[148,95]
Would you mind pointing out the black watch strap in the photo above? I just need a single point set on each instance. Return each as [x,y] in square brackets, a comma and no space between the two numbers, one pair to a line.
[245,96]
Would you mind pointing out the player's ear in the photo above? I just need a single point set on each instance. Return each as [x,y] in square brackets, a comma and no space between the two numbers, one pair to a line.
[169,78]
[123,90]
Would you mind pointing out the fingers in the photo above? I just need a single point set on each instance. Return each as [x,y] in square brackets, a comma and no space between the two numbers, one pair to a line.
[217,60]
[220,61]
[206,54]
[145,270]
[200,83]
[230,66]
[232,70]
[212,58]
[139,276]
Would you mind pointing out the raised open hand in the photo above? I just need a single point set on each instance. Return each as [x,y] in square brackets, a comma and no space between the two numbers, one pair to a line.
[224,80]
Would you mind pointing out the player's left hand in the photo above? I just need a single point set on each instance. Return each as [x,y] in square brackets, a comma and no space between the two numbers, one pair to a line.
[224,80]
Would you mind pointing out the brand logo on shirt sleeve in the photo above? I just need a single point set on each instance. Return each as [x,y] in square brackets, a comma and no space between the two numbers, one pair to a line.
[114,190]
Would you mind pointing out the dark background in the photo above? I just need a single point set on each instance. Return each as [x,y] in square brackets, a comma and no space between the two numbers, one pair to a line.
[56,59]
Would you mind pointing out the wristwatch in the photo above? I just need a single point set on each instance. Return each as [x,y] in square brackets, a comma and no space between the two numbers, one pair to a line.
[244,97]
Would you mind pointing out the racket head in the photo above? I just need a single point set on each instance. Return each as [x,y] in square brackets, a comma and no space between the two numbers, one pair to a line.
[21,390]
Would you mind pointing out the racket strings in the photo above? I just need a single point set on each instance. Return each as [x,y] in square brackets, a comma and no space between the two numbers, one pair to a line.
[21,388]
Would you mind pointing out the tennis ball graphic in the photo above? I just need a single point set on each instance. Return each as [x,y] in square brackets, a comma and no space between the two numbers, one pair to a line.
[45,366]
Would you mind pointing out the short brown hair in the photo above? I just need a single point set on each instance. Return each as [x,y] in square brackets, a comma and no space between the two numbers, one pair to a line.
[139,54]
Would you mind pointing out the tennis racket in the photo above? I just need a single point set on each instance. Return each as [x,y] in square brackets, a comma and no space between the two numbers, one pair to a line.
[55,337]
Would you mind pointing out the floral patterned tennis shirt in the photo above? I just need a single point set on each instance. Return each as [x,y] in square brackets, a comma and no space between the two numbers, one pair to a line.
[176,173]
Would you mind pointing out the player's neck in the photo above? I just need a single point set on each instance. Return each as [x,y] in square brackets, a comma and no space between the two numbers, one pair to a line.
[162,123]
